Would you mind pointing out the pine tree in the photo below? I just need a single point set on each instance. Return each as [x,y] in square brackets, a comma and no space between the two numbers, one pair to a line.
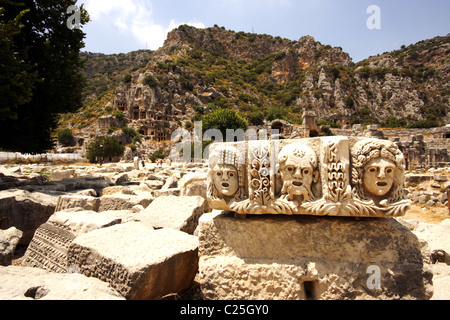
[44,72]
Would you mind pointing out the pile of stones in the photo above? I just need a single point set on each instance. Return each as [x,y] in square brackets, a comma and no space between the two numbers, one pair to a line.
[323,223]
[429,189]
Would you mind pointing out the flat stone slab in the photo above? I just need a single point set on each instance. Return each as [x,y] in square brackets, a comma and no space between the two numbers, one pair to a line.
[24,283]
[179,213]
[49,246]
[139,262]
[306,257]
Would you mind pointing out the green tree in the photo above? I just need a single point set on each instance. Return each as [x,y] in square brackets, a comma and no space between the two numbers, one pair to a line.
[104,147]
[16,75]
[223,119]
[48,70]
[160,153]
[65,136]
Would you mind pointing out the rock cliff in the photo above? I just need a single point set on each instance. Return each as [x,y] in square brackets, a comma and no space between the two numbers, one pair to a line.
[267,78]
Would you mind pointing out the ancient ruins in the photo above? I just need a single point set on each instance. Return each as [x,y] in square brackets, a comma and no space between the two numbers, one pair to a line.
[331,176]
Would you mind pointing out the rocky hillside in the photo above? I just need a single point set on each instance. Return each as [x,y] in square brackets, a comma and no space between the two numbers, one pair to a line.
[265,77]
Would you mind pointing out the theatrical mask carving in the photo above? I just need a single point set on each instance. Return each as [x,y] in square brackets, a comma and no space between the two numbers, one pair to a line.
[334,176]
[297,170]
[225,177]
[378,176]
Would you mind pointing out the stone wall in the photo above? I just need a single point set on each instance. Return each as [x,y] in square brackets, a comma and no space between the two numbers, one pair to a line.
[422,148]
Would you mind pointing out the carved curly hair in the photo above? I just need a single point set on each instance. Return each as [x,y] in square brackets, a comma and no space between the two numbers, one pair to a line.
[366,150]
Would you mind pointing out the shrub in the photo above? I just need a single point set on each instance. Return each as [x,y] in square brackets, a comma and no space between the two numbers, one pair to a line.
[223,119]
[131,134]
[158,154]
[127,78]
[393,122]
[150,81]
[256,118]
[65,136]
[104,147]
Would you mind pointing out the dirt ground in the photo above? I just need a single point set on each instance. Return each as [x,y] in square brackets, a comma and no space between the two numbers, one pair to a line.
[426,214]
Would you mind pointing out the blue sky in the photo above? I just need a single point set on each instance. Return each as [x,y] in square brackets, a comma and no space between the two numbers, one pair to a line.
[120,26]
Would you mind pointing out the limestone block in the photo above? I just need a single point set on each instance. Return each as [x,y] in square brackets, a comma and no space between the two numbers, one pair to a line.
[167,192]
[327,176]
[48,248]
[77,201]
[9,240]
[308,257]
[154,184]
[123,201]
[139,262]
[26,210]
[179,213]
[194,184]
[56,175]
[25,283]
[440,178]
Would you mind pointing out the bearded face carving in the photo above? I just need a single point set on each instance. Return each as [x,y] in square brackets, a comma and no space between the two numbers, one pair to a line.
[298,171]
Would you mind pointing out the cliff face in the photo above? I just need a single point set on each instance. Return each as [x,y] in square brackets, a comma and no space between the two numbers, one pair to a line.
[265,78]
[411,84]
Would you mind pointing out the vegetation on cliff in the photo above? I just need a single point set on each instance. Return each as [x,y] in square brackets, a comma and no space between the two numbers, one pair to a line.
[265,78]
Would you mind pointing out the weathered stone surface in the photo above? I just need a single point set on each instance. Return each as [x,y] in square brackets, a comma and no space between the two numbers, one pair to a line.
[48,249]
[306,257]
[26,210]
[179,213]
[437,236]
[24,283]
[440,178]
[167,192]
[77,201]
[417,178]
[139,262]
[124,201]
[195,184]
[8,243]
[335,176]
[154,184]
[81,183]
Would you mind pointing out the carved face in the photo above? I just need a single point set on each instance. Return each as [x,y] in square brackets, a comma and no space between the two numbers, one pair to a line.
[225,177]
[297,175]
[378,176]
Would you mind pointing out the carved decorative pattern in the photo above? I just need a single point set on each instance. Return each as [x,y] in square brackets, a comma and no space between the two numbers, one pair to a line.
[335,176]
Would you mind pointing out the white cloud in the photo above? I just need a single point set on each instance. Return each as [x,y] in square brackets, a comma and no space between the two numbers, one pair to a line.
[132,17]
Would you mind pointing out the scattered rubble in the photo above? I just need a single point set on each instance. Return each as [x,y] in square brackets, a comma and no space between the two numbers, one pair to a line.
[118,237]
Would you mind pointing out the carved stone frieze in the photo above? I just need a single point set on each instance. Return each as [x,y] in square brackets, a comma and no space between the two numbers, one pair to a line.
[327,176]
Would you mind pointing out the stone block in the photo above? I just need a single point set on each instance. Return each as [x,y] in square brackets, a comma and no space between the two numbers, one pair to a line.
[194,184]
[26,211]
[307,257]
[440,178]
[48,248]
[137,261]
[179,213]
[167,192]
[9,239]
[25,283]
[123,201]
[77,201]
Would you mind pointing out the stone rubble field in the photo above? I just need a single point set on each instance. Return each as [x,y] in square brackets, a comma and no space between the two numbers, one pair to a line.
[119,232]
